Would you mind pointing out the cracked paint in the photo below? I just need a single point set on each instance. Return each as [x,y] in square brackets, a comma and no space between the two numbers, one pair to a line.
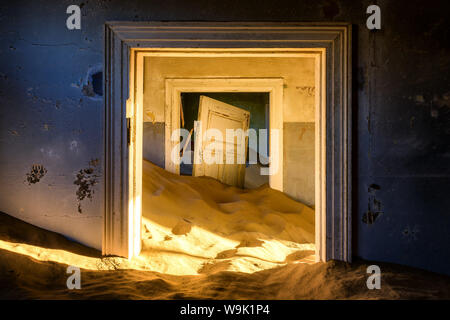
[92,85]
[86,179]
[374,206]
[36,173]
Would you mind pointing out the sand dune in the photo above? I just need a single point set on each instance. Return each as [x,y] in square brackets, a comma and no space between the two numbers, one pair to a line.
[28,270]
[202,240]
[195,225]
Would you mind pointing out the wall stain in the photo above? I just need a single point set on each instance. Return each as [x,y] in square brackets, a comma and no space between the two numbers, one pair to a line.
[374,206]
[36,173]
[410,233]
[86,179]
[302,132]
[308,91]
[14,133]
[411,122]
[150,115]
[437,103]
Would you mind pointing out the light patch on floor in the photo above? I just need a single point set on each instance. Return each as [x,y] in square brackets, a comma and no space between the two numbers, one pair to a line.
[34,261]
[195,225]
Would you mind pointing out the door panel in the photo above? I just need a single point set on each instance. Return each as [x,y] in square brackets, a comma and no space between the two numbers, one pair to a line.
[222,157]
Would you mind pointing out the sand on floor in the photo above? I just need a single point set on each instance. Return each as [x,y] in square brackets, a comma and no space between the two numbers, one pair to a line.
[201,240]
[194,225]
[34,261]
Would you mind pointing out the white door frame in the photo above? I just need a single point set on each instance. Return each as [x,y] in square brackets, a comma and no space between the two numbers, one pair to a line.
[123,42]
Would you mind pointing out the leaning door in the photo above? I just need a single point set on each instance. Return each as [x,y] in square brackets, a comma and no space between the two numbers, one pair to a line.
[221,142]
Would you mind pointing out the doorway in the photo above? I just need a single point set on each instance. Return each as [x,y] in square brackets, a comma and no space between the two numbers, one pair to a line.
[246,230]
[122,219]
[272,88]
[228,110]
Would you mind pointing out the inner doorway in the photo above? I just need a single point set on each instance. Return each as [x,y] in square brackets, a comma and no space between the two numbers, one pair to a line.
[227,155]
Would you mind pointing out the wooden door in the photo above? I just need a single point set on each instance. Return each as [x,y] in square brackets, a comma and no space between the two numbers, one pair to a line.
[220,116]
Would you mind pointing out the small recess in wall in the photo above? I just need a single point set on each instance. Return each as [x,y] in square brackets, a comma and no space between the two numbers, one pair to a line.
[92,86]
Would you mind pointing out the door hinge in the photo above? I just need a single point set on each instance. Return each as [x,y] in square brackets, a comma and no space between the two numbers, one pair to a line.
[128,130]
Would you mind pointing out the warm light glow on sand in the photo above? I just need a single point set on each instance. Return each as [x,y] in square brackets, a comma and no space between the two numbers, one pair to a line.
[33,271]
[55,255]
[201,251]
[193,226]
[197,225]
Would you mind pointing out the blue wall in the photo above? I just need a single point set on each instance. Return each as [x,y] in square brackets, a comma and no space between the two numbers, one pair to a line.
[50,116]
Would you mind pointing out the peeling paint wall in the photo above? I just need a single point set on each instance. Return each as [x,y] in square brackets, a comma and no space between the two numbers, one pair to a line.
[51,118]
[401,113]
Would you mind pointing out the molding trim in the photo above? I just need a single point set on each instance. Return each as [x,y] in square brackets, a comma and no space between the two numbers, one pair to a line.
[121,37]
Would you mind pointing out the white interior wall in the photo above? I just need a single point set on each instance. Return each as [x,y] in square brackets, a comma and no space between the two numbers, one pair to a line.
[298,104]
[298,74]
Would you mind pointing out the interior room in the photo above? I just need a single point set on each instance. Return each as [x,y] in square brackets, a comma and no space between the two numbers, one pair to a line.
[223,216]
[208,150]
